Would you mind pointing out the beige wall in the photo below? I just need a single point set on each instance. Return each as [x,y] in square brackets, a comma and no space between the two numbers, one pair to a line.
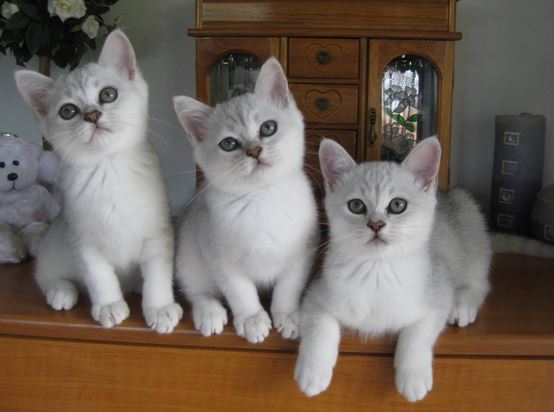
[504,65]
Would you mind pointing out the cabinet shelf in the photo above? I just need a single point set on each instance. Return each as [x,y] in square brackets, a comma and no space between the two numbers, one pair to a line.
[516,320]
[60,361]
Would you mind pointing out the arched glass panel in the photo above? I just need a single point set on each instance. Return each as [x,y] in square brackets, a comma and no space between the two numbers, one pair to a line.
[234,74]
[409,104]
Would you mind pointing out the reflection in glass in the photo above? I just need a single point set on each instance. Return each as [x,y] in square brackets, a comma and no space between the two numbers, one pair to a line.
[409,105]
[234,74]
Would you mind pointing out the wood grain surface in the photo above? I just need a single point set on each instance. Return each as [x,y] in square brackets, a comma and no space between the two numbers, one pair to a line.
[347,139]
[342,101]
[341,58]
[52,375]
[326,14]
[516,320]
[63,361]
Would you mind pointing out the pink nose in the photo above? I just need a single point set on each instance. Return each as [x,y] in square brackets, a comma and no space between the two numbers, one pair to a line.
[376,226]
[93,116]
[254,152]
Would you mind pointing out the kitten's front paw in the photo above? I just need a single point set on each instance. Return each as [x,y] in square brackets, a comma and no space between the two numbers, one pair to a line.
[287,325]
[465,308]
[209,317]
[62,296]
[414,383]
[254,328]
[462,315]
[163,320]
[110,315]
[312,376]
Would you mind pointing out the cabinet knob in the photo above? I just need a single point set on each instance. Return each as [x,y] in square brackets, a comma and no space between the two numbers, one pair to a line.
[323,57]
[322,104]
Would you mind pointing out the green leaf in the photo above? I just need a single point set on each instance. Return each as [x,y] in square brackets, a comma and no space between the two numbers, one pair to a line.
[60,59]
[36,37]
[32,11]
[415,117]
[398,118]
[388,111]
[17,21]
[76,58]
[91,44]
[410,127]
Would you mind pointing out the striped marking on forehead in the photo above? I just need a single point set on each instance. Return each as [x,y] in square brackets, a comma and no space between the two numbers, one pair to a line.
[238,114]
[81,84]
[375,180]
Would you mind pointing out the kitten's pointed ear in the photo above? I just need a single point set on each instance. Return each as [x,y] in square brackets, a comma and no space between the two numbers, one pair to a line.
[424,161]
[119,53]
[34,87]
[334,162]
[193,116]
[272,82]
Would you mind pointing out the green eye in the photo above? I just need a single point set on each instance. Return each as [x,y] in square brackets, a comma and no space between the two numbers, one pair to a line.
[229,144]
[108,95]
[268,128]
[397,205]
[356,206]
[68,111]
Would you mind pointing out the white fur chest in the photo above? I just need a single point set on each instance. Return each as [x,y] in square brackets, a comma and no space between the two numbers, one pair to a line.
[274,222]
[379,296]
[113,206]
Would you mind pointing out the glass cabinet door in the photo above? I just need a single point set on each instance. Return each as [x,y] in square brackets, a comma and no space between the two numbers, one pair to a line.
[232,75]
[408,105]
[228,66]
[409,99]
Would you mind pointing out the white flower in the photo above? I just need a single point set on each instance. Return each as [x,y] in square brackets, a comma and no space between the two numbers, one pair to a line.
[66,9]
[9,9]
[90,27]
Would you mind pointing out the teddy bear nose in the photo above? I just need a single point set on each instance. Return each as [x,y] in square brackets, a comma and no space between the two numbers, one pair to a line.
[12,177]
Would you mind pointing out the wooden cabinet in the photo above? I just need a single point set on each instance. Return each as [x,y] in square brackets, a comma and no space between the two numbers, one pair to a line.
[65,361]
[375,75]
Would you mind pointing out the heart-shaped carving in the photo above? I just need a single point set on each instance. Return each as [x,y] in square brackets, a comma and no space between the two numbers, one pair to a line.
[323,104]
[323,57]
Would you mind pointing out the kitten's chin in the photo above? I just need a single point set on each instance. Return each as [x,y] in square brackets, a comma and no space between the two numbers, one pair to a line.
[377,242]
[99,131]
[260,168]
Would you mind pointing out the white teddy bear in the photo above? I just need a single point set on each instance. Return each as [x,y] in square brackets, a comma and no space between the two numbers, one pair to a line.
[26,207]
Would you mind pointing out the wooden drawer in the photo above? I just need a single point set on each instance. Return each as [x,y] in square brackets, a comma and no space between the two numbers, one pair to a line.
[323,58]
[347,139]
[58,375]
[329,104]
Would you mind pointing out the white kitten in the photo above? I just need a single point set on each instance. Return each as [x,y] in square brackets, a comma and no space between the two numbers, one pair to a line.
[253,221]
[116,215]
[398,262]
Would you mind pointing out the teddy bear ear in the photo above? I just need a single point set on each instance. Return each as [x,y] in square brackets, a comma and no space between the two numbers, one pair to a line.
[34,87]
[48,167]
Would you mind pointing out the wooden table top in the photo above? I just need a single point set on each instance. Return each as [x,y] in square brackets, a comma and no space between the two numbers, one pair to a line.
[516,320]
